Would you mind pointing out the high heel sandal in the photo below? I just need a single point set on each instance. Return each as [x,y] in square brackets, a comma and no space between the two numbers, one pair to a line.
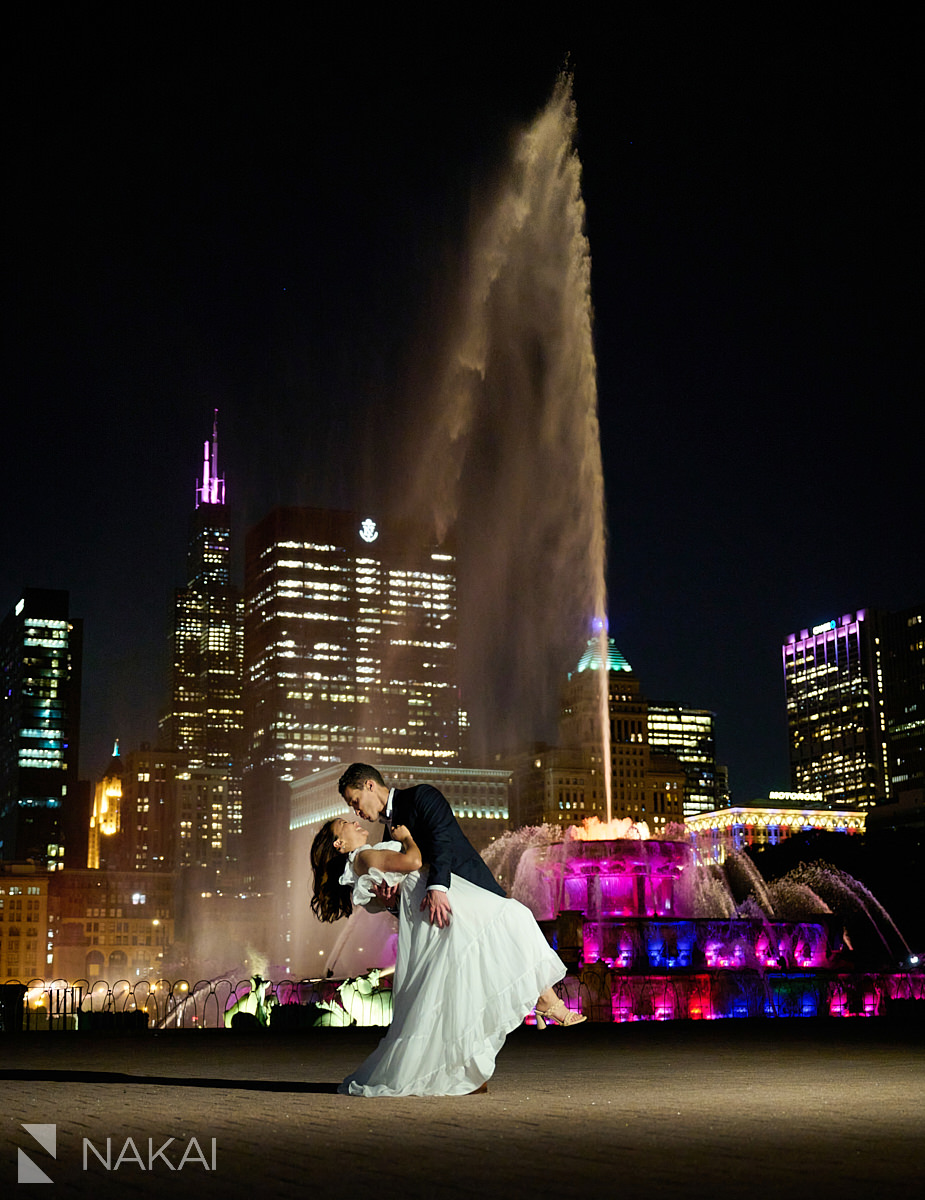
[559,1014]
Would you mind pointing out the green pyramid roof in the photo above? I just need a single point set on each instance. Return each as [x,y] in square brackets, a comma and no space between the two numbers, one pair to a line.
[591,659]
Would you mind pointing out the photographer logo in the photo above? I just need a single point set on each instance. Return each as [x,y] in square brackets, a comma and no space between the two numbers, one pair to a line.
[28,1171]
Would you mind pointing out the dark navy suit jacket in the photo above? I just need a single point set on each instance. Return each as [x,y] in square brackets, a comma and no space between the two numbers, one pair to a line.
[443,845]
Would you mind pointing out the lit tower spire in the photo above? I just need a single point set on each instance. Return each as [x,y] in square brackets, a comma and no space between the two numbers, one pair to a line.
[212,488]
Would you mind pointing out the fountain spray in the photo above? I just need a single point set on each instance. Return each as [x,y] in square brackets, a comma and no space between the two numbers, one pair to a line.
[510,451]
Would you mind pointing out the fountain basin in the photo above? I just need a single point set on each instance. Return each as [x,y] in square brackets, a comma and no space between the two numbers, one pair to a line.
[650,944]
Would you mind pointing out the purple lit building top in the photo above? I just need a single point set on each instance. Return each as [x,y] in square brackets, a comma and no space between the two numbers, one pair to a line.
[211,490]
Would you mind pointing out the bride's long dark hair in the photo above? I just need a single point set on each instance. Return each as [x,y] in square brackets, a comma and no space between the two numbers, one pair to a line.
[330,898]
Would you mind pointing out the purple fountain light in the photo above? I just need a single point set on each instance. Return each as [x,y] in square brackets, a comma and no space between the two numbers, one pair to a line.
[653,934]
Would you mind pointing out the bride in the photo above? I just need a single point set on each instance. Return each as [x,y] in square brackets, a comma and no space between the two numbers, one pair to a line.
[459,990]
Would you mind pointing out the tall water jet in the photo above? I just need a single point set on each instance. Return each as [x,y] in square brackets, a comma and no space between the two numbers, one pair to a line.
[510,449]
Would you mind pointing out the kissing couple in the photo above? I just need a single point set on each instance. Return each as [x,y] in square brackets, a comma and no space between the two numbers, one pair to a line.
[471,962]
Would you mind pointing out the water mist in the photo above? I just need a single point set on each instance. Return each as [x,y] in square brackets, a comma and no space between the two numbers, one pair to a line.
[510,455]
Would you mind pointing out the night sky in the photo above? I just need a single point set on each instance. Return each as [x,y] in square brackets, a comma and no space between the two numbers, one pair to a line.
[258,215]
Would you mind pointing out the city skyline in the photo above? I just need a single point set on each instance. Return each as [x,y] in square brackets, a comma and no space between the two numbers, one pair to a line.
[221,244]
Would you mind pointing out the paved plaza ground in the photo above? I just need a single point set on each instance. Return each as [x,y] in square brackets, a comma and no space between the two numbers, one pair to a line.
[789,1109]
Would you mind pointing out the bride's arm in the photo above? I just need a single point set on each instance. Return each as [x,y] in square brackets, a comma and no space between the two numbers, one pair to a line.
[405,860]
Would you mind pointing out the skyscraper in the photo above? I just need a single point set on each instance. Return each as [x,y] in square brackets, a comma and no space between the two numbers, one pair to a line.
[174,816]
[647,781]
[204,717]
[855,690]
[40,669]
[902,637]
[687,733]
[105,818]
[350,649]
[833,682]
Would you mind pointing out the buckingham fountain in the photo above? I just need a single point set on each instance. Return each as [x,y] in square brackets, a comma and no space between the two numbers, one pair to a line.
[511,458]
[653,932]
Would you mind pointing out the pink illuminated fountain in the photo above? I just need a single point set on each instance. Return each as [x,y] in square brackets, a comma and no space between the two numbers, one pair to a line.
[651,933]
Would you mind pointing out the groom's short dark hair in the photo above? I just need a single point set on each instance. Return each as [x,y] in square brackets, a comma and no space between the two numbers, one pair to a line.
[356,775]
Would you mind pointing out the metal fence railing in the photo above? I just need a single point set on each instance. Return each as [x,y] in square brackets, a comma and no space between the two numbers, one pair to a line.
[602,994]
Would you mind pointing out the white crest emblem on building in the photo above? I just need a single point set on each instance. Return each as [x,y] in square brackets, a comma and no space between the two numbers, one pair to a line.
[368,530]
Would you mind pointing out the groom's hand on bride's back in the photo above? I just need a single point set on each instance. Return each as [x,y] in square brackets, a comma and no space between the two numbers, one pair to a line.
[438,908]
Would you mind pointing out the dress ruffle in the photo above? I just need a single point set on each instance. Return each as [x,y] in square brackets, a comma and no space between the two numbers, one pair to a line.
[363,885]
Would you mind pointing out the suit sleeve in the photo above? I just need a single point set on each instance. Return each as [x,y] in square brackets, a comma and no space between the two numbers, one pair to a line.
[434,821]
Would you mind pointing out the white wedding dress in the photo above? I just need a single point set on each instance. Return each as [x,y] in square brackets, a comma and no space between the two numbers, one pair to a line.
[457,991]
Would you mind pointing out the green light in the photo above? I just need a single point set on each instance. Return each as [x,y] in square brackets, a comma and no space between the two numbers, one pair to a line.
[591,659]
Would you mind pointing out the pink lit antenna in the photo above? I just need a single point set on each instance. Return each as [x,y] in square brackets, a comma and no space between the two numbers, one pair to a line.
[212,488]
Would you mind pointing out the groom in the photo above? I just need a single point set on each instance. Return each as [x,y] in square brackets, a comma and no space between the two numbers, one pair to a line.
[426,813]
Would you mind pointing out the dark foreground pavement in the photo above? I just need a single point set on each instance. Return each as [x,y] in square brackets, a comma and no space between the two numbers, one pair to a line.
[789,1109]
